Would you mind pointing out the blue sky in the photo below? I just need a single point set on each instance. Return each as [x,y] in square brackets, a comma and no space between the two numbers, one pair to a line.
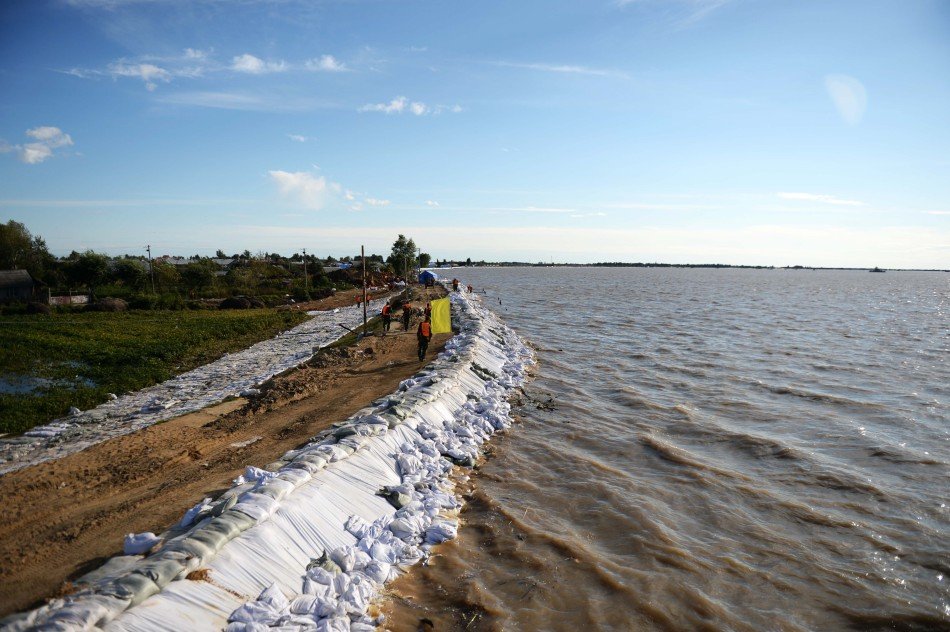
[731,131]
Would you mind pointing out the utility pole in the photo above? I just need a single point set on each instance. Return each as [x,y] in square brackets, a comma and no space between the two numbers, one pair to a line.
[151,268]
[306,279]
[363,259]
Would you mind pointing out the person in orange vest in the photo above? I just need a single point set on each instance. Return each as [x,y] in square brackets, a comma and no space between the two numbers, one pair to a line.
[424,334]
[406,315]
[387,315]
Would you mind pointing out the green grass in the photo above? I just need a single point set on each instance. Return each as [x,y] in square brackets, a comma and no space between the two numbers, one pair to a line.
[85,356]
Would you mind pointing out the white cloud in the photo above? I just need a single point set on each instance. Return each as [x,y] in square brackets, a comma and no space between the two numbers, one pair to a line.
[325,63]
[253,102]
[306,189]
[297,138]
[581,215]
[255,65]
[401,104]
[349,195]
[814,197]
[396,106]
[564,68]
[431,203]
[937,212]
[149,73]
[683,13]
[849,97]
[375,202]
[46,139]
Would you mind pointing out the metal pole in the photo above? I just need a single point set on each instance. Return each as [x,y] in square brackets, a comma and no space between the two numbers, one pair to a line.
[363,258]
[306,280]
[151,267]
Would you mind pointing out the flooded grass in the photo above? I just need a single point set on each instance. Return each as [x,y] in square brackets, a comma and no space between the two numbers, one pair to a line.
[51,363]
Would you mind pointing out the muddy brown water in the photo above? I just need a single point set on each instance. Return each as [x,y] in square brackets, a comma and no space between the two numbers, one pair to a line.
[709,450]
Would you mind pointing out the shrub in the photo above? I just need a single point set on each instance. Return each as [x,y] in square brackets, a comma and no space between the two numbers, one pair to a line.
[38,308]
[235,302]
[110,305]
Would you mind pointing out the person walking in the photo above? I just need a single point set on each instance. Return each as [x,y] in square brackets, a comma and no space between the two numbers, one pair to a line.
[424,334]
[387,315]
[406,315]
[428,313]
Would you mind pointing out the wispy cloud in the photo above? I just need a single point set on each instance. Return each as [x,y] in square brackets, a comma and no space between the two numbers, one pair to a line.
[400,105]
[46,139]
[148,73]
[375,202]
[325,63]
[311,192]
[298,138]
[597,214]
[640,206]
[564,68]
[193,63]
[937,212]
[684,13]
[815,197]
[396,106]
[849,97]
[255,65]
[432,203]
[252,102]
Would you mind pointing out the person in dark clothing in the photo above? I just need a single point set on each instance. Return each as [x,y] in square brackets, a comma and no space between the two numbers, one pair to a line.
[424,334]
[406,315]
[387,314]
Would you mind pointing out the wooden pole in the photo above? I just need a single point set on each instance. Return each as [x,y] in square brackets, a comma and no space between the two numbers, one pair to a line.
[363,258]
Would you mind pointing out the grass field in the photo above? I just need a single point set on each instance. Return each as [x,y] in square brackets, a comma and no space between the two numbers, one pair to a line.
[50,363]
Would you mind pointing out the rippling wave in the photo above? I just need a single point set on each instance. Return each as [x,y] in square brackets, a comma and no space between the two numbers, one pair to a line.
[711,449]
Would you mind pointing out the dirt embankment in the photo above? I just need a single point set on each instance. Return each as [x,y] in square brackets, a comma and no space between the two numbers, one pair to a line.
[66,517]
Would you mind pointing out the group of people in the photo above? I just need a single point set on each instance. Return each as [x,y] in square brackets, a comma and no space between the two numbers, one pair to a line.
[455,286]
[423,331]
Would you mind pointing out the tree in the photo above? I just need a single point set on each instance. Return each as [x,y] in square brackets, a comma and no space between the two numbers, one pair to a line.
[166,275]
[219,254]
[89,269]
[21,250]
[130,273]
[403,256]
[424,259]
[198,275]
[468,261]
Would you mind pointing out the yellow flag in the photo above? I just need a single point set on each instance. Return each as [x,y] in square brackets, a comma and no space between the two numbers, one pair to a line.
[441,318]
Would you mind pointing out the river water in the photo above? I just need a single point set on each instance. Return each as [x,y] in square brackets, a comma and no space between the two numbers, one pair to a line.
[709,449]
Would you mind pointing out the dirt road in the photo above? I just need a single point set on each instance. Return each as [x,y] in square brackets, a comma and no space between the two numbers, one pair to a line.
[66,517]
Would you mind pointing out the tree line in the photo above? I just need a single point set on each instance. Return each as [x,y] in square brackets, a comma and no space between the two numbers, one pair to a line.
[169,282]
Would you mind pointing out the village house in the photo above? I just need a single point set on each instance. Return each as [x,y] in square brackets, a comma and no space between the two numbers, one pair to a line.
[15,285]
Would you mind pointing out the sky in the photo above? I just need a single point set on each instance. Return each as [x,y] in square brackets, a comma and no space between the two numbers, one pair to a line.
[753,132]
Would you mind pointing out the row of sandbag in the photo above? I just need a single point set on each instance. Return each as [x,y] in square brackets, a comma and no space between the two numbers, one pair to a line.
[455,380]
[324,581]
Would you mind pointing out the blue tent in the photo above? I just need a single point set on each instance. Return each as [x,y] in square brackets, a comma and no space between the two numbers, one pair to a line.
[428,276]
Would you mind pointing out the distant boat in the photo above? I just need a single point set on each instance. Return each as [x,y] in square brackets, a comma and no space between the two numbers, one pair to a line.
[876,269]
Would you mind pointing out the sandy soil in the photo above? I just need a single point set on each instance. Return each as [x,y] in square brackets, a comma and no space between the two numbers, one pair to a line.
[66,517]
